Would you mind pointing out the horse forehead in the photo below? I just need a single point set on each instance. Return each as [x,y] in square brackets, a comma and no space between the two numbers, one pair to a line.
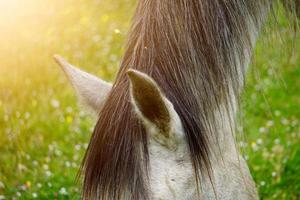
[170,174]
[168,163]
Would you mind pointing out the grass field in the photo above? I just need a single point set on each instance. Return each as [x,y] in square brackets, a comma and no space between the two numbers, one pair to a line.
[43,132]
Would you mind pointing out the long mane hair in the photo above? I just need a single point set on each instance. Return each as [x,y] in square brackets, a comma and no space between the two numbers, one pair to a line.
[194,50]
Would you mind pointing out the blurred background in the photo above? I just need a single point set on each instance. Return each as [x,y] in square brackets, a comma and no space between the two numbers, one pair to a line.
[44,133]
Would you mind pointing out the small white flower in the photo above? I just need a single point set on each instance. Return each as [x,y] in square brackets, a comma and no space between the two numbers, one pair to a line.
[263,130]
[243,144]
[277,141]
[35,163]
[23,187]
[117,31]
[82,113]
[39,185]
[63,191]
[270,123]
[48,173]
[18,194]
[45,166]
[57,152]
[77,147]
[259,141]
[262,183]
[277,113]
[285,121]
[22,167]
[27,156]
[274,174]
[55,103]
[2,185]
[75,157]
[69,109]
[2,197]
[27,115]
[254,146]
[67,164]
[34,195]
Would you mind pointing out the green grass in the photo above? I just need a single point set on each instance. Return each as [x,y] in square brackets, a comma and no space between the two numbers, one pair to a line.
[43,133]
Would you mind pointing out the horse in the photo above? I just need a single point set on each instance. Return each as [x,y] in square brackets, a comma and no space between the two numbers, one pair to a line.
[166,126]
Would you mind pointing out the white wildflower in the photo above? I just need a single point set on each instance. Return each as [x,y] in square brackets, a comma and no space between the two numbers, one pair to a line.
[270,123]
[69,109]
[57,152]
[45,166]
[55,103]
[263,130]
[35,163]
[117,31]
[277,113]
[77,147]
[34,195]
[262,183]
[285,121]
[48,173]
[67,164]
[2,185]
[27,115]
[63,191]
[259,141]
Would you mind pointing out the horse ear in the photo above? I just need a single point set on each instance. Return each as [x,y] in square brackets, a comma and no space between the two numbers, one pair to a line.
[148,99]
[91,90]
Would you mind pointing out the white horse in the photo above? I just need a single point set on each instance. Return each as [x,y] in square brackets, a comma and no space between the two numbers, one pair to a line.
[171,175]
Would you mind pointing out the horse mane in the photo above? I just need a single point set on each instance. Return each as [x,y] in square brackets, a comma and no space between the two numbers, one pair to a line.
[194,50]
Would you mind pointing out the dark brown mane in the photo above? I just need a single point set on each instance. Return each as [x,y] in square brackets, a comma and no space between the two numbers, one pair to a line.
[193,49]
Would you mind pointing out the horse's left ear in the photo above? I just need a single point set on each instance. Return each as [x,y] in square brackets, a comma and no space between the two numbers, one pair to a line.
[153,107]
[91,90]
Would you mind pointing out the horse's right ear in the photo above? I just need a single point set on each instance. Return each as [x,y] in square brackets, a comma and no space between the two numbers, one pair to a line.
[91,90]
[155,110]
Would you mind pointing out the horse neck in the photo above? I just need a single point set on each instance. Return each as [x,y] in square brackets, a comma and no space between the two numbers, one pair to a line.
[226,139]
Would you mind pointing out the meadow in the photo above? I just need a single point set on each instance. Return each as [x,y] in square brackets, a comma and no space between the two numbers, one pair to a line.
[44,132]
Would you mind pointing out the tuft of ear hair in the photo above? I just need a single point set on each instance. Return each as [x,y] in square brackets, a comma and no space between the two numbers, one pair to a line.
[155,110]
[91,90]
[149,100]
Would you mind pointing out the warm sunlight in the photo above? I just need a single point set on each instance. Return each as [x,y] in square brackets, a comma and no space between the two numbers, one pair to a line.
[186,67]
[16,12]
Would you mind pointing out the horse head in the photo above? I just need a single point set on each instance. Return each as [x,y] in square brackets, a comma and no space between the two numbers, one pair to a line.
[170,170]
